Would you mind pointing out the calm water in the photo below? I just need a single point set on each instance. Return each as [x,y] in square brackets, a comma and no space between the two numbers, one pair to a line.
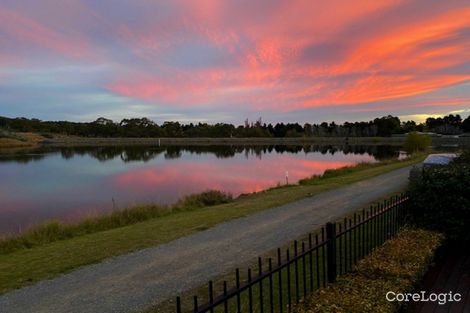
[70,183]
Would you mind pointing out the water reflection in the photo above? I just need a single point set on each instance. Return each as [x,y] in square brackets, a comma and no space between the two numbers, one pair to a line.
[70,183]
[146,153]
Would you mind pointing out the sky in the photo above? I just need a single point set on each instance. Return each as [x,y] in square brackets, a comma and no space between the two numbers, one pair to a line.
[225,61]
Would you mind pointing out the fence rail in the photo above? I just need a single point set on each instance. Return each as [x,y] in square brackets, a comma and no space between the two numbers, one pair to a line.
[316,261]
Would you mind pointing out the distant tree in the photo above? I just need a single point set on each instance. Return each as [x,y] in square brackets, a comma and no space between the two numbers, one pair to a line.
[247,123]
[259,122]
[408,126]
[308,130]
[415,142]
[144,127]
[466,125]
[449,125]
[387,125]
[172,129]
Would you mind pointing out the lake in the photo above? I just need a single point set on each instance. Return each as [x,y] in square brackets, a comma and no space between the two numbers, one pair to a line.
[71,183]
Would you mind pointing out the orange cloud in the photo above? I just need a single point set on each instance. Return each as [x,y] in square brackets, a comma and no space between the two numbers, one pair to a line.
[445,103]
[273,72]
[397,65]
[275,56]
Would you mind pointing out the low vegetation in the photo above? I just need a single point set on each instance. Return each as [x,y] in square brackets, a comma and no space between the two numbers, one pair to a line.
[416,142]
[441,198]
[24,266]
[55,230]
[16,140]
[331,173]
[200,200]
[396,266]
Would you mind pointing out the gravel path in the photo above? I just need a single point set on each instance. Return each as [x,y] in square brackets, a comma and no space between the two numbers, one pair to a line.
[131,282]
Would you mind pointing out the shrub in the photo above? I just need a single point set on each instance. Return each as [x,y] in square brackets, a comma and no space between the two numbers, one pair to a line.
[206,198]
[396,266]
[416,142]
[3,134]
[440,200]
[47,135]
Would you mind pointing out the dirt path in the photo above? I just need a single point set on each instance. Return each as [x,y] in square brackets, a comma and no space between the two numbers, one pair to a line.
[134,281]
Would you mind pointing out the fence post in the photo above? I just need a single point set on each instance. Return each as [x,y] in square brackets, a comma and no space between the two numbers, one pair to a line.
[178,305]
[331,251]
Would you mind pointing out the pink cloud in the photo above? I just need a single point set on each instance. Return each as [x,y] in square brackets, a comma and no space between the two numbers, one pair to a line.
[10,60]
[277,56]
[182,89]
[392,64]
[440,103]
[24,29]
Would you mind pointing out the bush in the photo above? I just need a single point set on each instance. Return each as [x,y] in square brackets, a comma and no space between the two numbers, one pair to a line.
[207,198]
[440,200]
[416,142]
[47,135]
[396,266]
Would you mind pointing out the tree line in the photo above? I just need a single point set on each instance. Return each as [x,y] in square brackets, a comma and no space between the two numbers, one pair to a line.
[144,127]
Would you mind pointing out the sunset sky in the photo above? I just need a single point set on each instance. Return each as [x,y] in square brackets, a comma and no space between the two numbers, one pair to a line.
[224,61]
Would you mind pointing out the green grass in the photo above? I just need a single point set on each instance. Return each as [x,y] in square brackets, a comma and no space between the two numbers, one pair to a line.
[342,171]
[55,230]
[26,266]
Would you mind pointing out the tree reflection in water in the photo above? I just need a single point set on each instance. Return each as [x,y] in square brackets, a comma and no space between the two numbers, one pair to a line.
[147,153]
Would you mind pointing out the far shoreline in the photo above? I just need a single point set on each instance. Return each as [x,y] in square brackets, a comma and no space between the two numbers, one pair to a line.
[33,140]
[89,141]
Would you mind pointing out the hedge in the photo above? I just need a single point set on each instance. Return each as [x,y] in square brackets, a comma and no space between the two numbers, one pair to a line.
[396,266]
[440,200]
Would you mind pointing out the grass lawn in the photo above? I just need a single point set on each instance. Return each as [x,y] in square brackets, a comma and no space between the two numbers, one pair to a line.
[26,266]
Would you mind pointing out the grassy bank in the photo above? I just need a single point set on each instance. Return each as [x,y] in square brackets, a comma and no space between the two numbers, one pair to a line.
[25,266]
[87,141]
[9,140]
[55,230]
[59,140]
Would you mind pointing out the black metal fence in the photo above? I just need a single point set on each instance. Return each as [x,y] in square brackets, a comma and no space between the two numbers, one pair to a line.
[282,281]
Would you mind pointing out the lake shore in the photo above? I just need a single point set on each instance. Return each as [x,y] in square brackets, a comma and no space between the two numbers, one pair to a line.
[47,260]
[81,141]
[20,140]
[32,140]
